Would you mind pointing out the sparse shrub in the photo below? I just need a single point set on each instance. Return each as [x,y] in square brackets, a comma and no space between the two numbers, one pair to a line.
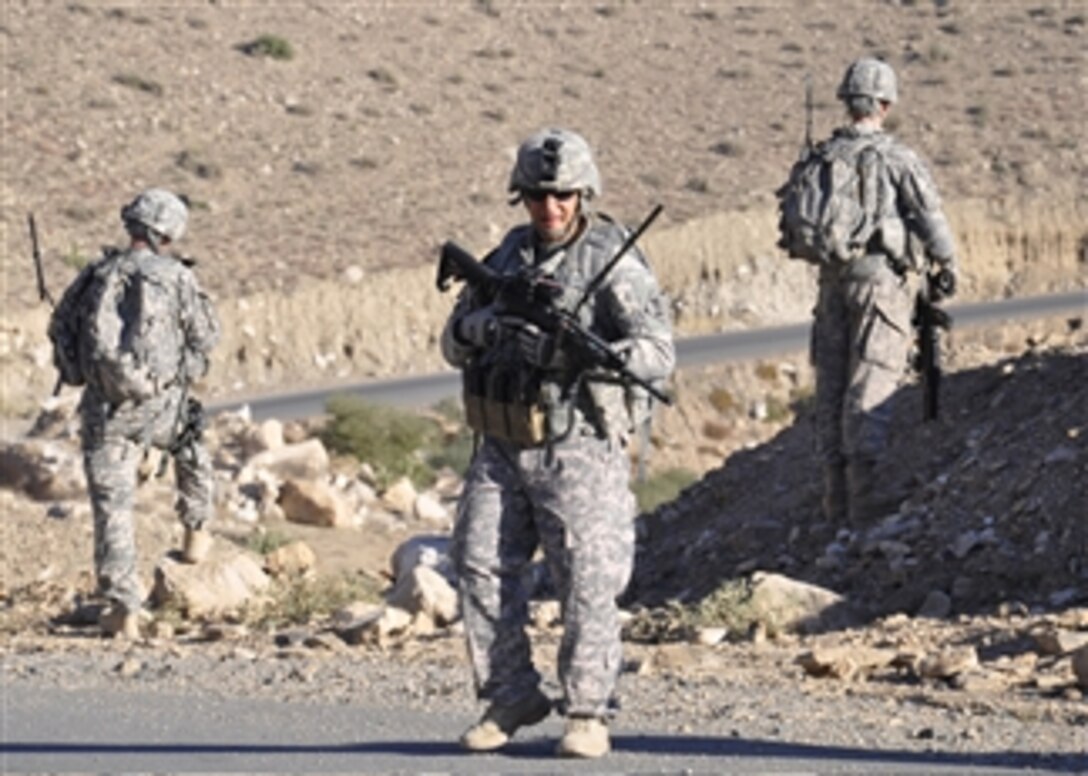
[979,115]
[726,148]
[301,600]
[937,53]
[803,399]
[271,46]
[139,83]
[487,7]
[312,169]
[81,214]
[698,184]
[492,53]
[778,410]
[263,542]
[389,439]
[383,76]
[75,259]
[723,401]
[201,168]
[661,488]
[727,607]
[767,372]
[734,74]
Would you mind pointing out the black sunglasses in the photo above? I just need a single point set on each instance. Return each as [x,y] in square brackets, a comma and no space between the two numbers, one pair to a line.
[539,195]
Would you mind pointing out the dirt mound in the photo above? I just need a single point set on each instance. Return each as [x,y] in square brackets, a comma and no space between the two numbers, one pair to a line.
[992,507]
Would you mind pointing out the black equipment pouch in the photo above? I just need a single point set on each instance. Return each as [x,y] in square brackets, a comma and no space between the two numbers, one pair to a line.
[504,403]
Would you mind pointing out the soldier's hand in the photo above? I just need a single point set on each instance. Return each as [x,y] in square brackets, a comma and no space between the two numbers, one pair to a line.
[479,328]
[539,348]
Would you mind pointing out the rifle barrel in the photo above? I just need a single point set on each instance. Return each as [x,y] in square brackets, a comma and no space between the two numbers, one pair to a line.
[36,253]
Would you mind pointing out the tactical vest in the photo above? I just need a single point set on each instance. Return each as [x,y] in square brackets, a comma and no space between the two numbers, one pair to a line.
[509,399]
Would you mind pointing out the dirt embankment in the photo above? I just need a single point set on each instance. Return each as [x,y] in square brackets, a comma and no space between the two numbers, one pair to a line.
[722,272]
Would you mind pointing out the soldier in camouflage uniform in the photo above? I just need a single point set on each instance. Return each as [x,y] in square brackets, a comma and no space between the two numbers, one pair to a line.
[862,333]
[116,435]
[567,492]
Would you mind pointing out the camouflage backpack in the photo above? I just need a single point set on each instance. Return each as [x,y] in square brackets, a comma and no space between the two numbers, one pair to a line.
[109,331]
[834,200]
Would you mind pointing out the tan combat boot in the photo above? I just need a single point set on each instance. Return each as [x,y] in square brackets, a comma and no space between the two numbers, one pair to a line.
[499,723]
[585,737]
[196,545]
[118,622]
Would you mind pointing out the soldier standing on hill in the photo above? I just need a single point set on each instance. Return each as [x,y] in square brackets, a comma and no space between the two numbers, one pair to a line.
[136,330]
[861,337]
[558,480]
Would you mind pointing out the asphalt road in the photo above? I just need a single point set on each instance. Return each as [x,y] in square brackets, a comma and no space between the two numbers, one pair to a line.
[425,390]
[112,731]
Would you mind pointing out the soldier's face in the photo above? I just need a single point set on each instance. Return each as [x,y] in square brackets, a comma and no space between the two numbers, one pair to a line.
[552,213]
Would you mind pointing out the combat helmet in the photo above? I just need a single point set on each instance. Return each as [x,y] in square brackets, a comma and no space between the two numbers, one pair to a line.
[868,77]
[555,160]
[158,211]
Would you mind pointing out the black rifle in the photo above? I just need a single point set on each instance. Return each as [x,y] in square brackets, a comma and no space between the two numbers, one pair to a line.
[36,252]
[532,297]
[928,321]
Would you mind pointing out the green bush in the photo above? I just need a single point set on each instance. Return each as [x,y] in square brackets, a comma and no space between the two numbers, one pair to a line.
[271,46]
[263,541]
[139,83]
[661,488]
[729,607]
[393,441]
[301,600]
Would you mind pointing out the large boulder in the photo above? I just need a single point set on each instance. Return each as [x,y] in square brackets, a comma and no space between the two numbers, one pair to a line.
[314,502]
[217,586]
[46,470]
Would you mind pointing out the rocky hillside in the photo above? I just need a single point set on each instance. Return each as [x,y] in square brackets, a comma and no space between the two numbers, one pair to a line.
[328,148]
[993,499]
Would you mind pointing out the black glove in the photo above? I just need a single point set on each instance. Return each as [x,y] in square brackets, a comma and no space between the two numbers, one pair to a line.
[537,347]
[479,328]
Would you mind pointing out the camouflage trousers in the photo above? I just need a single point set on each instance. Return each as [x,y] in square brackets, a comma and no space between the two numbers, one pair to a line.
[114,442]
[573,502]
[861,341]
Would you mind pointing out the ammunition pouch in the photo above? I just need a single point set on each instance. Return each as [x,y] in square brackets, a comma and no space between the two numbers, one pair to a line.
[504,402]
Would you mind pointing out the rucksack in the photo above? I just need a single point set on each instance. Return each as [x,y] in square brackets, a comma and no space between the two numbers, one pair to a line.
[834,200]
[114,329]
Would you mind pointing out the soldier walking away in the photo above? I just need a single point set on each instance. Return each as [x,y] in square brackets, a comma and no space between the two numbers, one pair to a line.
[135,330]
[552,469]
[864,208]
